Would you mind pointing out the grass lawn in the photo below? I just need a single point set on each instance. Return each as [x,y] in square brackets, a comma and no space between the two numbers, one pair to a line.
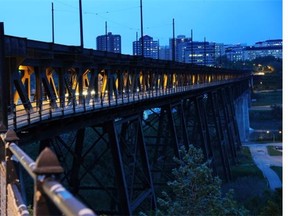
[246,166]
[273,152]
[278,171]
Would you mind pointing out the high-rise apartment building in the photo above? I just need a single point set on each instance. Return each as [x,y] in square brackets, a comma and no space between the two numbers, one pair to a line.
[151,47]
[109,43]
[200,53]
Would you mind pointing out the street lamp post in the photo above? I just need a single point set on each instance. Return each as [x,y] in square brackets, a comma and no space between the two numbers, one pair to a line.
[52,22]
[81,24]
[142,39]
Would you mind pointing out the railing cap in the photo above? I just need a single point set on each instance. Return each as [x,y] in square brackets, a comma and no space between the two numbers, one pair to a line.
[11,136]
[47,163]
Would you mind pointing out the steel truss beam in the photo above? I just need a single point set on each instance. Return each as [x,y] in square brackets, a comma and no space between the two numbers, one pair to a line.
[165,131]
[228,123]
[108,161]
[134,158]
[220,137]
[205,125]
[202,116]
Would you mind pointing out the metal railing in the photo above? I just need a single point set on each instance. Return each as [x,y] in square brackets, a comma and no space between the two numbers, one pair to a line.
[50,197]
[43,110]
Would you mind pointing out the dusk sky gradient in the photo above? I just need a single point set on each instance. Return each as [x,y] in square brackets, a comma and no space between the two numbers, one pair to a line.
[223,21]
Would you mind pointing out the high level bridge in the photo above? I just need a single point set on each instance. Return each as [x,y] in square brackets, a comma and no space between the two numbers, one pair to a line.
[112,124]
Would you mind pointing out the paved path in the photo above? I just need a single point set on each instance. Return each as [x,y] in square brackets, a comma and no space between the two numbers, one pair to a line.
[263,160]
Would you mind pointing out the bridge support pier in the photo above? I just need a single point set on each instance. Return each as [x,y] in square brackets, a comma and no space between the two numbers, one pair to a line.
[242,115]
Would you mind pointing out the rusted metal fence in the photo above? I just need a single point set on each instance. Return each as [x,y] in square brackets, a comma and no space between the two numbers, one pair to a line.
[50,197]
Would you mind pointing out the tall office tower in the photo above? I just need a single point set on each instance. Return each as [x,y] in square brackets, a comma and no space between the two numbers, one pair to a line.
[151,48]
[109,43]
[180,45]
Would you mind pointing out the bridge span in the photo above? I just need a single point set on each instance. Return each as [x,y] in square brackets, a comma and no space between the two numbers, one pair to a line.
[88,107]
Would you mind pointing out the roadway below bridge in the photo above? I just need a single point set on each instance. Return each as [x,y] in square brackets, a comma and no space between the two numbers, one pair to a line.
[264,162]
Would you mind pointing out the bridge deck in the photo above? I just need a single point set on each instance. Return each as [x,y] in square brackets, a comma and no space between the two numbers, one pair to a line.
[21,117]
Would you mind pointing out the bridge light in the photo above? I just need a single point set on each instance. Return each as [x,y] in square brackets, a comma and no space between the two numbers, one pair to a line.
[92,92]
[85,93]
[77,94]
[66,95]
[268,132]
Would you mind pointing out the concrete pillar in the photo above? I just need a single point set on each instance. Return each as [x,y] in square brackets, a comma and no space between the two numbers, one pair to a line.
[242,115]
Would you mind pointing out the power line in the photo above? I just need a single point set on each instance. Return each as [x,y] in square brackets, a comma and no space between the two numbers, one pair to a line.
[73,9]
[95,13]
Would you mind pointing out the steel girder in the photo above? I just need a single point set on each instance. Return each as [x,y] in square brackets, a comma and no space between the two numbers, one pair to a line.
[210,125]
[202,116]
[165,132]
[228,124]
[221,141]
[107,166]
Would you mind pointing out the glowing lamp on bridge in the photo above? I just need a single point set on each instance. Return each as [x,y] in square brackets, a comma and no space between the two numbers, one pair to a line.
[85,93]
[93,92]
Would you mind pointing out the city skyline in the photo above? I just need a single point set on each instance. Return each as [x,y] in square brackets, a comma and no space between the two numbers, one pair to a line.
[223,21]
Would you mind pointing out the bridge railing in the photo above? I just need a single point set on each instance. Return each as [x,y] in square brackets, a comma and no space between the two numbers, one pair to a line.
[48,192]
[45,109]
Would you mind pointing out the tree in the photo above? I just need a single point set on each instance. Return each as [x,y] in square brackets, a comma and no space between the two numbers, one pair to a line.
[274,204]
[195,191]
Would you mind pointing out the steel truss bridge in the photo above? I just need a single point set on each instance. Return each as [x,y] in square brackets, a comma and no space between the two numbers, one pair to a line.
[113,122]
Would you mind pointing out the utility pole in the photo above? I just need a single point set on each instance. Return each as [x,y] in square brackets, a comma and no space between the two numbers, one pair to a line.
[173,42]
[4,85]
[81,24]
[142,39]
[191,46]
[106,36]
[52,22]
[205,51]
[158,49]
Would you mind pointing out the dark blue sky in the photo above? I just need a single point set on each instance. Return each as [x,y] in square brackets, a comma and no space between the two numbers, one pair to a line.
[226,21]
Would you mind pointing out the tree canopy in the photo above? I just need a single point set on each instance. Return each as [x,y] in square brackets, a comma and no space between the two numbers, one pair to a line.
[195,191]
